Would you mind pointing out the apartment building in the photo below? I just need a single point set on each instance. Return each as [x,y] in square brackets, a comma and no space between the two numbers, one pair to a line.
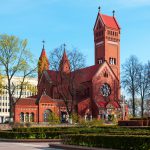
[28,90]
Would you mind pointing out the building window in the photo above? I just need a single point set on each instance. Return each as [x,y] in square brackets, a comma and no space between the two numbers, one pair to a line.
[21,117]
[105,74]
[32,117]
[27,117]
[100,61]
[112,61]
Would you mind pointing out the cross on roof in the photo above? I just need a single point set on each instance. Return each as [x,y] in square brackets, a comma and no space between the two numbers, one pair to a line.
[99,9]
[43,43]
[64,45]
[113,13]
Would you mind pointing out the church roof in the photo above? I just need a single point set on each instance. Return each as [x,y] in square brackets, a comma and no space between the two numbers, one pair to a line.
[26,101]
[64,56]
[43,53]
[86,74]
[82,75]
[46,99]
[103,104]
[109,21]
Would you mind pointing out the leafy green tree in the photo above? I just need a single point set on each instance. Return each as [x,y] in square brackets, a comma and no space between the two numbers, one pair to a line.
[15,60]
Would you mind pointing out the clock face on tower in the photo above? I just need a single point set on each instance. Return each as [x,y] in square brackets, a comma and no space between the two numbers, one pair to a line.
[105,90]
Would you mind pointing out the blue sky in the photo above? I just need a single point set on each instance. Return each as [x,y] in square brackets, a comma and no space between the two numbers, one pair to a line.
[72,21]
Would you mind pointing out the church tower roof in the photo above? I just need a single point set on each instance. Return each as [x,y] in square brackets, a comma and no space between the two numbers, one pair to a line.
[64,63]
[108,21]
[43,63]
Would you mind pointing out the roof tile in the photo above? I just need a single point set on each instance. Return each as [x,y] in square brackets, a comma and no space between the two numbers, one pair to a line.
[110,21]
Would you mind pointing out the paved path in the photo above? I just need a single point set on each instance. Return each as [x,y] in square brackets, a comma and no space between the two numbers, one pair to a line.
[25,146]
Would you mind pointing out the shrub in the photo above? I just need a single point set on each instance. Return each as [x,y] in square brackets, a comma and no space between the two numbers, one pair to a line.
[54,119]
[130,123]
[34,135]
[75,118]
[109,141]
[94,123]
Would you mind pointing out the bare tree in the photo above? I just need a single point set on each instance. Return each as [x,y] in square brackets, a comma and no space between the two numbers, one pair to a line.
[66,82]
[15,60]
[143,84]
[130,71]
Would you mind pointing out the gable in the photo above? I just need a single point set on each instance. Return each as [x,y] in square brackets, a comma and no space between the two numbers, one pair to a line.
[98,21]
[46,99]
[105,70]
[108,21]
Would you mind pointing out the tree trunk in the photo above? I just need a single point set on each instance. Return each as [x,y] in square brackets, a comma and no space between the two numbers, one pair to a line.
[133,106]
[142,107]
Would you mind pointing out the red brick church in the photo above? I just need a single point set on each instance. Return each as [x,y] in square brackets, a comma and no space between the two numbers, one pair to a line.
[101,96]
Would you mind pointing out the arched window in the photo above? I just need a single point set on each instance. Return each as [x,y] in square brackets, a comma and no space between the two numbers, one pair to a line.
[27,117]
[32,117]
[21,117]
[46,115]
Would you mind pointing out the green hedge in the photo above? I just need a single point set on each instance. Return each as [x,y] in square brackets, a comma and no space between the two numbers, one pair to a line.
[34,135]
[110,141]
[86,130]
[134,123]
[44,129]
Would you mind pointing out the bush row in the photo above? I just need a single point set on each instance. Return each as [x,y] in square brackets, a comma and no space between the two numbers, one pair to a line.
[82,130]
[134,123]
[34,135]
[43,129]
[109,141]
[140,132]
[137,118]
[78,128]
[58,134]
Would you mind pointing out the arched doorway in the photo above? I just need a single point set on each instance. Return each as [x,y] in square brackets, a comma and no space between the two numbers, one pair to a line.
[47,114]
[88,115]
[64,117]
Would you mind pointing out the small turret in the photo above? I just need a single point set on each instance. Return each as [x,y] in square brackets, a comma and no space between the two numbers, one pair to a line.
[64,65]
[43,63]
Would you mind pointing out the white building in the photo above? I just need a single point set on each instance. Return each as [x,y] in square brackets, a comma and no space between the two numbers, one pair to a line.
[4,97]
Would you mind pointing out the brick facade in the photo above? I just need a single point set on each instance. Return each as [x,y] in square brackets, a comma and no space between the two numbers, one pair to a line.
[101,93]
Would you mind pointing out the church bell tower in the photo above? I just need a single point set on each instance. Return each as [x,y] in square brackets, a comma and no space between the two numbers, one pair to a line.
[107,41]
